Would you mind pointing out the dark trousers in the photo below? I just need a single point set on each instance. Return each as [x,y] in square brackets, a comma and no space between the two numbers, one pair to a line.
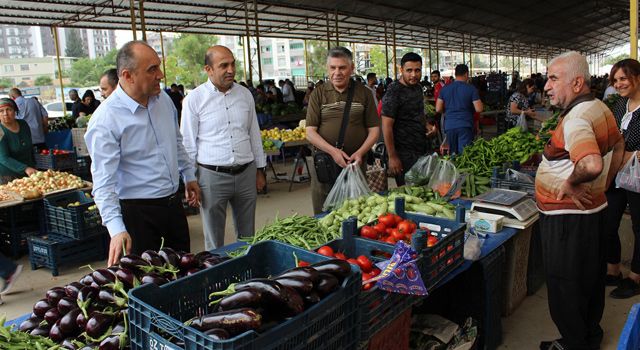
[618,199]
[573,251]
[408,160]
[458,139]
[150,220]
[6,267]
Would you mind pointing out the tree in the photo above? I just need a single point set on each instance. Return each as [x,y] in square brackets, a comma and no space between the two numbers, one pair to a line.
[615,59]
[317,58]
[6,83]
[44,80]
[377,58]
[74,44]
[239,71]
[185,64]
[87,72]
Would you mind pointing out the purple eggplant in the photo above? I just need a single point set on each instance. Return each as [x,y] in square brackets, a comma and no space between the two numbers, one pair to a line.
[108,296]
[170,257]
[81,319]
[202,256]
[30,324]
[54,295]
[284,301]
[72,289]
[306,272]
[213,261]
[87,280]
[133,262]
[127,277]
[88,293]
[118,328]
[103,276]
[41,307]
[218,333]
[327,284]
[68,323]
[339,268]
[52,315]
[311,299]
[154,278]
[111,342]
[55,333]
[301,285]
[42,330]
[246,298]
[233,321]
[188,261]
[91,346]
[152,257]
[98,324]
[67,304]
[192,271]
[68,344]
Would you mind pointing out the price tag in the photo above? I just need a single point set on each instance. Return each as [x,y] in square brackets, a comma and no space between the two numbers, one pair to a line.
[158,343]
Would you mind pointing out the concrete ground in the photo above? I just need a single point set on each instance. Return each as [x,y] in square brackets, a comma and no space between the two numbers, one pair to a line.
[524,329]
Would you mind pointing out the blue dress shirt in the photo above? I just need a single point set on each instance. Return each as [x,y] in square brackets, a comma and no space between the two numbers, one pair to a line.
[136,153]
[31,111]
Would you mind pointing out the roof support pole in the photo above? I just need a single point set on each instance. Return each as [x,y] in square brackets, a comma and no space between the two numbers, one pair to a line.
[395,64]
[306,61]
[328,34]
[437,51]
[424,54]
[470,57]
[337,30]
[142,23]
[464,59]
[430,61]
[255,16]
[164,67]
[54,31]
[490,54]
[355,57]
[132,7]
[244,56]
[246,27]
[386,48]
[513,60]
[633,28]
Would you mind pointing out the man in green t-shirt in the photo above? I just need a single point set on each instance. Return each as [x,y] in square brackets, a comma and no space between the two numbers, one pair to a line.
[324,119]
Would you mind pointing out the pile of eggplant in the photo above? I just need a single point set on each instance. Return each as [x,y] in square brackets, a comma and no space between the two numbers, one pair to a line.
[257,303]
[91,314]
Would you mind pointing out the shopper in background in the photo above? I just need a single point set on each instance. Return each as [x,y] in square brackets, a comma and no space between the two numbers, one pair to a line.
[324,120]
[108,83]
[176,98]
[9,273]
[625,77]
[288,94]
[222,135]
[404,124]
[577,166]
[458,101]
[371,85]
[307,94]
[89,103]
[16,150]
[75,108]
[519,102]
[31,111]
[437,82]
[137,159]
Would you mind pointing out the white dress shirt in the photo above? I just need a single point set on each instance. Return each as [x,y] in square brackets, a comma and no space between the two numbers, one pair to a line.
[287,93]
[221,129]
[136,153]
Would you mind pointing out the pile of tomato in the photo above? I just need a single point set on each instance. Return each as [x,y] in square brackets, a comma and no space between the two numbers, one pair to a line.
[392,228]
[369,270]
[54,151]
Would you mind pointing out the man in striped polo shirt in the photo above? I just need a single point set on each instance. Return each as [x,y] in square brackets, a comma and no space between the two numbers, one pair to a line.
[579,161]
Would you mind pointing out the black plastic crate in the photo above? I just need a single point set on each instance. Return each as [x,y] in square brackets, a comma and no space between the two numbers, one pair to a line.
[13,241]
[77,221]
[53,250]
[498,180]
[20,215]
[492,272]
[83,168]
[55,161]
[535,267]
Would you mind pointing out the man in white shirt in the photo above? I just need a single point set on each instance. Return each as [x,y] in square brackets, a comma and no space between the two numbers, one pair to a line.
[221,133]
[287,92]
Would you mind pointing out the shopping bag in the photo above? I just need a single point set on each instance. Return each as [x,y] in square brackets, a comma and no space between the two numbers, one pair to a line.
[445,178]
[350,184]
[420,173]
[629,176]
[377,177]
[522,121]
[400,274]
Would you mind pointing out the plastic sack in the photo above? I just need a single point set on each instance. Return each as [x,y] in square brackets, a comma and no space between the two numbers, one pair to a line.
[472,247]
[522,122]
[629,176]
[420,173]
[400,274]
[514,175]
[445,179]
[350,184]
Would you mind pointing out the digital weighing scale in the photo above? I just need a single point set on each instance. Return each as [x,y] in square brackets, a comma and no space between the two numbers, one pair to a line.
[518,210]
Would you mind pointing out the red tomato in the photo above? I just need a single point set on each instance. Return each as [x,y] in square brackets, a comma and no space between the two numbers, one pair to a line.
[364,263]
[340,256]
[375,272]
[397,235]
[380,227]
[413,226]
[303,263]
[367,286]
[390,240]
[388,231]
[387,220]
[366,276]
[45,151]
[326,251]
[431,241]
[368,232]
[398,219]
[405,227]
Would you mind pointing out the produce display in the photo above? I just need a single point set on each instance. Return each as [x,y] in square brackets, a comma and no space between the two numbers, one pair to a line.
[6,196]
[42,182]
[10,339]
[429,110]
[369,270]
[300,231]
[481,156]
[389,228]
[92,313]
[269,145]
[54,151]
[284,135]
[278,109]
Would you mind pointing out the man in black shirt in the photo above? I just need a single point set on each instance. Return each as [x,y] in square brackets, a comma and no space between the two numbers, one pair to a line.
[404,125]
[176,98]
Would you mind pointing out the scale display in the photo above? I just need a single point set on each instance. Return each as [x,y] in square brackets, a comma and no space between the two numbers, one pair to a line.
[500,196]
[513,205]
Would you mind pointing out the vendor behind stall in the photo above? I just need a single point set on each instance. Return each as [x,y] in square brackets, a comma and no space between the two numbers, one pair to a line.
[16,150]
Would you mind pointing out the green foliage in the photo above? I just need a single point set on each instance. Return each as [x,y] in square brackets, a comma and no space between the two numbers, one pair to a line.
[44,80]
[615,59]
[185,63]
[317,58]
[87,72]
[378,59]
[6,83]
[239,71]
[74,44]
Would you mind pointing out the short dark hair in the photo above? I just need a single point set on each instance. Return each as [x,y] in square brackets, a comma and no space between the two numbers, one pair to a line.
[461,70]
[523,85]
[112,77]
[436,72]
[371,75]
[126,58]
[15,92]
[174,85]
[629,66]
[340,52]
[410,57]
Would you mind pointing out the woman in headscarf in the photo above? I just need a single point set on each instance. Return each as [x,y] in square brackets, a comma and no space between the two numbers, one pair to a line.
[16,149]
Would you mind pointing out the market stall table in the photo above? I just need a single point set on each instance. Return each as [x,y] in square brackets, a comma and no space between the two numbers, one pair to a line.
[299,160]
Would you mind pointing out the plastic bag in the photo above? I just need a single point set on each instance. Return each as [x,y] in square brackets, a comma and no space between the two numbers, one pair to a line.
[420,173]
[445,179]
[522,122]
[513,175]
[472,247]
[350,184]
[400,274]
[629,176]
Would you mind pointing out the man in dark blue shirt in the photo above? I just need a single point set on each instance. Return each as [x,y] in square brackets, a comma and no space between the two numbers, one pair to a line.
[458,101]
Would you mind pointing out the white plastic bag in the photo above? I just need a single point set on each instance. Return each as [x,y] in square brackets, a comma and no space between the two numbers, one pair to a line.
[522,121]
[513,175]
[420,173]
[629,176]
[444,178]
[472,247]
[350,184]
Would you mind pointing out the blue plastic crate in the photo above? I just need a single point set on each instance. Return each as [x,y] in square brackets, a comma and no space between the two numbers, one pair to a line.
[377,308]
[330,324]
[21,215]
[82,168]
[55,161]
[76,221]
[13,241]
[630,336]
[53,250]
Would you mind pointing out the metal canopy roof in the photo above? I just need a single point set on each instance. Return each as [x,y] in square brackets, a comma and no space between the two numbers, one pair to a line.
[525,28]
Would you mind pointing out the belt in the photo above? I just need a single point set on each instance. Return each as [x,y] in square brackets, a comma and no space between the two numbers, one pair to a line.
[233,170]
[164,201]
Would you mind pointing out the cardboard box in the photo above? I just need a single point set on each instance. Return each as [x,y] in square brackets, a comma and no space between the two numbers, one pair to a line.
[485,222]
